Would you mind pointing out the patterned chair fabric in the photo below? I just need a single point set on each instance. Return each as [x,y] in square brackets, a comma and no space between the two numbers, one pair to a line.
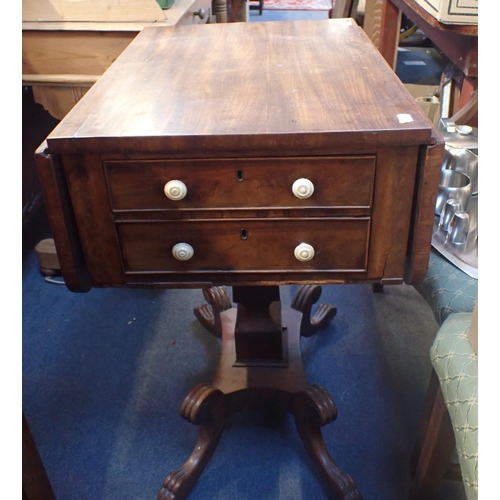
[447,289]
[456,365]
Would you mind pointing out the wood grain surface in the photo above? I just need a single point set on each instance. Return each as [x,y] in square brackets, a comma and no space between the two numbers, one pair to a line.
[242,86]
[84,53]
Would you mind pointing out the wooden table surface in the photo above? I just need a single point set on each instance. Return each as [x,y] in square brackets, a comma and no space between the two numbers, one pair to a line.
[186,97]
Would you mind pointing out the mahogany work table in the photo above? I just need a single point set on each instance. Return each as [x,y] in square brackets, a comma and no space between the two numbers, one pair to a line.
[249,155]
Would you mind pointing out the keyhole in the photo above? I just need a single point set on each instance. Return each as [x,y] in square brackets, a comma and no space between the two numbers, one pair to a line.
[239,175]
[243,234]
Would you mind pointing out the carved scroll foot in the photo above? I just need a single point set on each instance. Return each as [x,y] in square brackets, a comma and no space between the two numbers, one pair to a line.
[306,296]
[202,406]
[209,314]
[314,408]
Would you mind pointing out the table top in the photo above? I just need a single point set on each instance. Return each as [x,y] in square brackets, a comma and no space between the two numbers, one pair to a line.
[239,86]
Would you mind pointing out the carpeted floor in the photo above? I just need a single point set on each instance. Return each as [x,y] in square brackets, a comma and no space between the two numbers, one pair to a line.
[105,373]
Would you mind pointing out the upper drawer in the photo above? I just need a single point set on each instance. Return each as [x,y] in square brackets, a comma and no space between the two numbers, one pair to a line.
[242,183]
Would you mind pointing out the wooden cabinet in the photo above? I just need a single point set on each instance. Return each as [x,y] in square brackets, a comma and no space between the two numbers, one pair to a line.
[325,148]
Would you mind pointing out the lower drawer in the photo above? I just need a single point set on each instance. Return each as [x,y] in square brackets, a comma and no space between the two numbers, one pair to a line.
[245,245]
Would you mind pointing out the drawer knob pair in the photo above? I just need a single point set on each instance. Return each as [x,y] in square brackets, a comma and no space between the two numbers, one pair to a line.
[175,190]
[303,188]
[184,251]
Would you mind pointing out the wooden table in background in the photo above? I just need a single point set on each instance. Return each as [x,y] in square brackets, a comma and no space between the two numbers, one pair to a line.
[459,43]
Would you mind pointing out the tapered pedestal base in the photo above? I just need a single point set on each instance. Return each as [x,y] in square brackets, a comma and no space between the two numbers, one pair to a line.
[240,384]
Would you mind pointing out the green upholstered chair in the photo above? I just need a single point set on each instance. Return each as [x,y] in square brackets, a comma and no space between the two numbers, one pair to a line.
[447,289]
[450,416]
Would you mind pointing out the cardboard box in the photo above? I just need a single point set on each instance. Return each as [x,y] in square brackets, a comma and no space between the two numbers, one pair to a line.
[452,11]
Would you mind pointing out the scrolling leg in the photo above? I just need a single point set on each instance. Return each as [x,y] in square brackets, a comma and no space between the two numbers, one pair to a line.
[209,314]
[313,409]
[202,406]
[306,296]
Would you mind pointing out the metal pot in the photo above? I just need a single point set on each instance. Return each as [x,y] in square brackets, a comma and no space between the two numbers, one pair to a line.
[453,185]
[462,160]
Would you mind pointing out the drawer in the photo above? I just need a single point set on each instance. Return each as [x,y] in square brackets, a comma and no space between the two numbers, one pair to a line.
[245,245]
[242,183]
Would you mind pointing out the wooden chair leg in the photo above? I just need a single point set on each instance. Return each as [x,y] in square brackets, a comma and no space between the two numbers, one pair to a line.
[435,445]
[425,417]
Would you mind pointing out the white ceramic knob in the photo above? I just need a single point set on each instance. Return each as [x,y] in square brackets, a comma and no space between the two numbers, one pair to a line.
[303,188]
[182,251]
[175,190]
[304,252]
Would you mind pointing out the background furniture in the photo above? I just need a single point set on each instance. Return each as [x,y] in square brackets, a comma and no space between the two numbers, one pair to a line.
[458,42]
[36,125]
[256,5]
[447,289]
[347,8]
